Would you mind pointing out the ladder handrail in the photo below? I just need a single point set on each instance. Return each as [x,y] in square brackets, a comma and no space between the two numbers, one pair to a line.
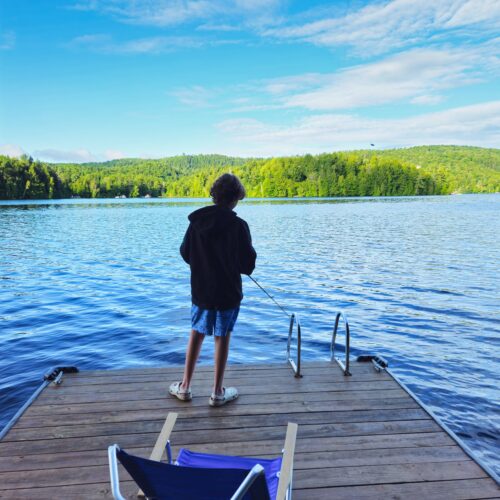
[345,367]
[294,320]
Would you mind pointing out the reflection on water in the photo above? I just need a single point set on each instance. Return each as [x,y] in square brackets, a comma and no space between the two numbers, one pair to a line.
[100,284]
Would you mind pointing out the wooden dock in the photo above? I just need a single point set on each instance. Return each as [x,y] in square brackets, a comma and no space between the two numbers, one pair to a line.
[360,437]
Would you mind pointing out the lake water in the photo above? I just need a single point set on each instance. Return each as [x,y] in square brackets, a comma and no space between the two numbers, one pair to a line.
[100,284]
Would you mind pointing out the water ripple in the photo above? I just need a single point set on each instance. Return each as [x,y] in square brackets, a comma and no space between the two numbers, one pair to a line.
[100,284]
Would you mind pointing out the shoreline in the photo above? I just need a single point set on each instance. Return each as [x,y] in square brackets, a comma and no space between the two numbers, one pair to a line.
[248,199]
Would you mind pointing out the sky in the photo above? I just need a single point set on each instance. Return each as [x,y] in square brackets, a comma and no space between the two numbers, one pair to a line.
[94,80]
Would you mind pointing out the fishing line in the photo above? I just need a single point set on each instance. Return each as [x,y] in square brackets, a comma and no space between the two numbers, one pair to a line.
[268,294]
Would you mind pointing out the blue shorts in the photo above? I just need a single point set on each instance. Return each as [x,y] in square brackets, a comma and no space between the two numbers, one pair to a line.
[213,322]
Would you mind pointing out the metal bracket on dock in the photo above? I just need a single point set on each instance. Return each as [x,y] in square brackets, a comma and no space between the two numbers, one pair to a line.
[379,363]
[345,367]
[54,375]
[294,321]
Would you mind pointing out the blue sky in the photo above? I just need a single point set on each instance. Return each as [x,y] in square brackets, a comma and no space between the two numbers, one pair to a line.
[84,80]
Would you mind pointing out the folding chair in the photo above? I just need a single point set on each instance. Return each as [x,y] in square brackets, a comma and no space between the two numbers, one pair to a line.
[202,476]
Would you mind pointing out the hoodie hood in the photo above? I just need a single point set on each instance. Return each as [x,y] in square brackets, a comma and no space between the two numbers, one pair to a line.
[212,220]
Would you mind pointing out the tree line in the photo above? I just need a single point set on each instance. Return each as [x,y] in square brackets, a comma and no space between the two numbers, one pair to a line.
[457,169]
[25,179]
[401,172]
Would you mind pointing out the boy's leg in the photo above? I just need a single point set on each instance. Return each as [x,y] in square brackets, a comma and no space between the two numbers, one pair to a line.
[221,353]
[192,353]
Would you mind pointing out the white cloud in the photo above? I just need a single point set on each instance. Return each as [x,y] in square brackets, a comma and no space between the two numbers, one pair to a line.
[113,154]
[290,84]
[165,13]
[12,150]
[478,125]
[384,26]
[418,76]
[409,75]
[95,40]
[195,96]
[7,40]
[77,155]
[149,45]
[57,155]
[175,12]
[427,100]
[218,27]
[476,11]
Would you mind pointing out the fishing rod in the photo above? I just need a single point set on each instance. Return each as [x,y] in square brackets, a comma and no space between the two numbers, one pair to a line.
[293,321]
[269,295]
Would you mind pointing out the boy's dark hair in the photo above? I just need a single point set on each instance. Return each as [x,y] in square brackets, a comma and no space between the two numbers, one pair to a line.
[227,189]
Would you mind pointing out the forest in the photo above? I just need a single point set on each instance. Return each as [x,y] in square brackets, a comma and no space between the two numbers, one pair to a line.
[423,170]
[457,169]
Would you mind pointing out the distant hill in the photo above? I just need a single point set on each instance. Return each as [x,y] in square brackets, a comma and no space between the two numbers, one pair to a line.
[461,169]
[135,176]
[180,163]
[411,171]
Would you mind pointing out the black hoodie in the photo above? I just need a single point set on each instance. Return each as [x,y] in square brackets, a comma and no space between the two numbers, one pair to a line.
[218,247]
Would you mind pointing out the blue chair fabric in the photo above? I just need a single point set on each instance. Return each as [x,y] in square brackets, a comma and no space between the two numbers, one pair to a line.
[190,458]
[161,481]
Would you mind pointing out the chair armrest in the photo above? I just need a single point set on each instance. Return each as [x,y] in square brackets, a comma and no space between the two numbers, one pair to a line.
[161,442]
[286,471]
[254,473]
[164,436]
[113,472]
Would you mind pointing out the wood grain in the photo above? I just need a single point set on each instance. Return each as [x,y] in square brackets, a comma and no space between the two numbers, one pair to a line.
[358,437]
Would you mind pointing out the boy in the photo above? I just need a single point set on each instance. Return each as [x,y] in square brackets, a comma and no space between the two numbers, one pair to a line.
[218,247]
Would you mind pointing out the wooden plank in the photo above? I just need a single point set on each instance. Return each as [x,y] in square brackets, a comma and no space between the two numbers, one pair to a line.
[382,474]
[437,490]
[168,403]
[202,387]
[306,366]
[131,439]
[52,461]
[287,463]
[199,368]
[309,367]
[306,459]
[370,444]
[217,420]
[90,384]
[444,490]
[361,449]
[161,442]
[70,445]
[388,456]
[80,380]
[205,385]
[58,397]
[61,477]
[306,431]
[286,372]
[357,434]
[303,477]
[91,491]
[28,422]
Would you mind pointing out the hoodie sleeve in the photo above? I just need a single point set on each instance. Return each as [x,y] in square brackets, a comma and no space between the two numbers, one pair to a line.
[186,244]
[247,254]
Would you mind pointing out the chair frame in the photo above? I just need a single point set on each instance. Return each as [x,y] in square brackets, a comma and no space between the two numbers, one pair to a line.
[163,444]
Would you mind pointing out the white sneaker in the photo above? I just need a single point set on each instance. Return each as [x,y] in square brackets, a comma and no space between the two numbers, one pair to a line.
[175,390]
[230,394]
